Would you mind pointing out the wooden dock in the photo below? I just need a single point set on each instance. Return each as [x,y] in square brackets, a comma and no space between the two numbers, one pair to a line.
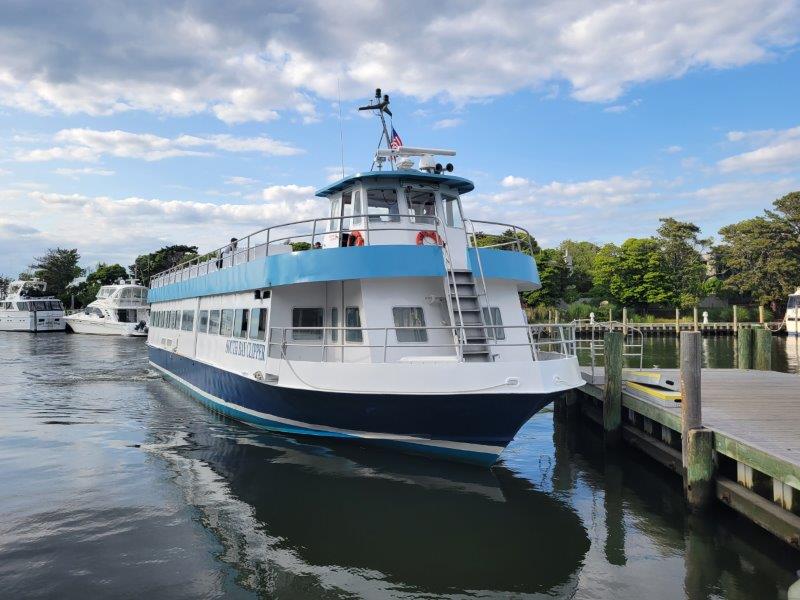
[753,416]
[672,328]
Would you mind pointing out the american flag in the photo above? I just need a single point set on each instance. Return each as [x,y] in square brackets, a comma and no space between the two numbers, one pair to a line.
[396,141]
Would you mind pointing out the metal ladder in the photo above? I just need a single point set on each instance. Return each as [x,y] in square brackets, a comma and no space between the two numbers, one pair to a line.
[469,317]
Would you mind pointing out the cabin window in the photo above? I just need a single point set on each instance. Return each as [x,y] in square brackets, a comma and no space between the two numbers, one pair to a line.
[382,205]
[187,323]
[126,315]
[347,209]
[794,302]
[105,292]
[213,322]
[307,317]
[258,324]
[226,323]
[422,204]
[202,321]
[22,306]
[410,316]
[352,318]
[155,318]
[452,211]
[335,323]
[494,333]
[336,210]
[173,319]
[240,323]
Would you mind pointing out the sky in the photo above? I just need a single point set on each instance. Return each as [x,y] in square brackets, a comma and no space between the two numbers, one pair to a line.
[128,126]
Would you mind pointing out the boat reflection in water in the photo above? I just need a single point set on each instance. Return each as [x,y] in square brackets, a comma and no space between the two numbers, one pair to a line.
[298,517]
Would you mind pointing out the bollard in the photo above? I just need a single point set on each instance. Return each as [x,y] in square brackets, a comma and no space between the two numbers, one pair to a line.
[762,350]
[745,348]
[697,442]
[612,394]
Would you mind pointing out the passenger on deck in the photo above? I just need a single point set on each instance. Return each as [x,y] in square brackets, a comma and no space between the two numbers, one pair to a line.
[228,250]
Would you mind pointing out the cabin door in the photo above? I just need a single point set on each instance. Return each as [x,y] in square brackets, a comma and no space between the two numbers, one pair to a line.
[454,226]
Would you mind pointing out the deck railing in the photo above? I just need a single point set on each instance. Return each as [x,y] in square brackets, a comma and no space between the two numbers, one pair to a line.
[545,341]
[257,245]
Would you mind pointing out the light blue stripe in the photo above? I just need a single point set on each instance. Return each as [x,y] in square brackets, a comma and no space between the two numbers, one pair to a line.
[335,264]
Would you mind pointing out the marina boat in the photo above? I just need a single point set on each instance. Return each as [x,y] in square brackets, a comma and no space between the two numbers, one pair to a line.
[793,313]
[27,308]
[119,309]
[400,326]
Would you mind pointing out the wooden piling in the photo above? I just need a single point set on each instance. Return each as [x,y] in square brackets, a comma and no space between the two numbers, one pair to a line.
[697,442]
[612,398]
[735,319]
[762,350]
[677,321]
[624,321]
[745,348]
[761,314]
[696,328]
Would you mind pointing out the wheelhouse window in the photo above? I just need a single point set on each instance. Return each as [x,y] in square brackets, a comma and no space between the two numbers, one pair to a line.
[105,292]
[307,317]
[240,323]
[187,323]
[258,324]
[202,321]
[497,332]
[213,322]
[336,210]
[226,323]
[452,211]
[352,318]
[421,204]
[410,316]
[382,205]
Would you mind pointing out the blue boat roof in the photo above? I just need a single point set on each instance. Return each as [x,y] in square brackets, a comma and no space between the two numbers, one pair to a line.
[462,185]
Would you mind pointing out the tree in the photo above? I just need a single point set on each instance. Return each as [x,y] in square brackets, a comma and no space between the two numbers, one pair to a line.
[760,257]
[581,255]
[147,265]
[633,274]
[553,274]
[57,268]
[684,268]
[4,283]
[508,240]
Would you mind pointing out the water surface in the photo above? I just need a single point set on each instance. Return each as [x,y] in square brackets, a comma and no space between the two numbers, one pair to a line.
[116,485]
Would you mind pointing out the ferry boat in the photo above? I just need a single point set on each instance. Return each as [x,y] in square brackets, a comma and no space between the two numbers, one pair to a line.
[397,327]
[119,309]
[793,313]
[26,308]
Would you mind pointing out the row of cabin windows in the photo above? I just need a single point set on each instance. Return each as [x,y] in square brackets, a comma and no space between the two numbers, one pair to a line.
[34,305]
[383,206]
[244,323]
[229,322]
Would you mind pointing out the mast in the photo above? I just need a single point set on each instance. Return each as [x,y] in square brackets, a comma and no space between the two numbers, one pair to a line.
[382,106]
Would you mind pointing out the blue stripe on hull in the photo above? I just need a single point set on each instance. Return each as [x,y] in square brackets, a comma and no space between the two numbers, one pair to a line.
[444,424]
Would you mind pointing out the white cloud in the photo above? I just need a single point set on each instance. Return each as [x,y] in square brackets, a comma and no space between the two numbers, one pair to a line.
[249,61]
[621,108]
[4,172]
[88,145]
[76,173]
[673,149]
[780,151]
[513,181]
[241,181]
[447,123]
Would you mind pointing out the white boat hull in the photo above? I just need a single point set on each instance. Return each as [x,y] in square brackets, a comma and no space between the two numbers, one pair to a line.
[27,321]
[96,326]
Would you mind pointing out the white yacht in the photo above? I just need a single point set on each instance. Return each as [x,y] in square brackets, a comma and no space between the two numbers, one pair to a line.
[793,313]
[119,309]
[26,308]
[395,328]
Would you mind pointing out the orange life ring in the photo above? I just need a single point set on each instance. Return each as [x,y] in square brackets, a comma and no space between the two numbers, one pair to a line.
[429,234]
[355,239]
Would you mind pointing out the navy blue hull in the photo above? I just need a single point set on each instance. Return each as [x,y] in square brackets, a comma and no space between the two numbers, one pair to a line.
[471,427]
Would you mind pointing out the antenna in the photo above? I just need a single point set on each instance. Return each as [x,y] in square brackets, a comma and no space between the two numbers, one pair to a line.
[341,134]
[382,106]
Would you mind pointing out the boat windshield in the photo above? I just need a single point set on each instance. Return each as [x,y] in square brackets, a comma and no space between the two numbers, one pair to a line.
[794,302]
[105,291]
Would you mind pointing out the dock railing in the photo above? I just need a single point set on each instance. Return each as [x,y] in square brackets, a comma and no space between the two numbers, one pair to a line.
[545,341]
[592,347]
